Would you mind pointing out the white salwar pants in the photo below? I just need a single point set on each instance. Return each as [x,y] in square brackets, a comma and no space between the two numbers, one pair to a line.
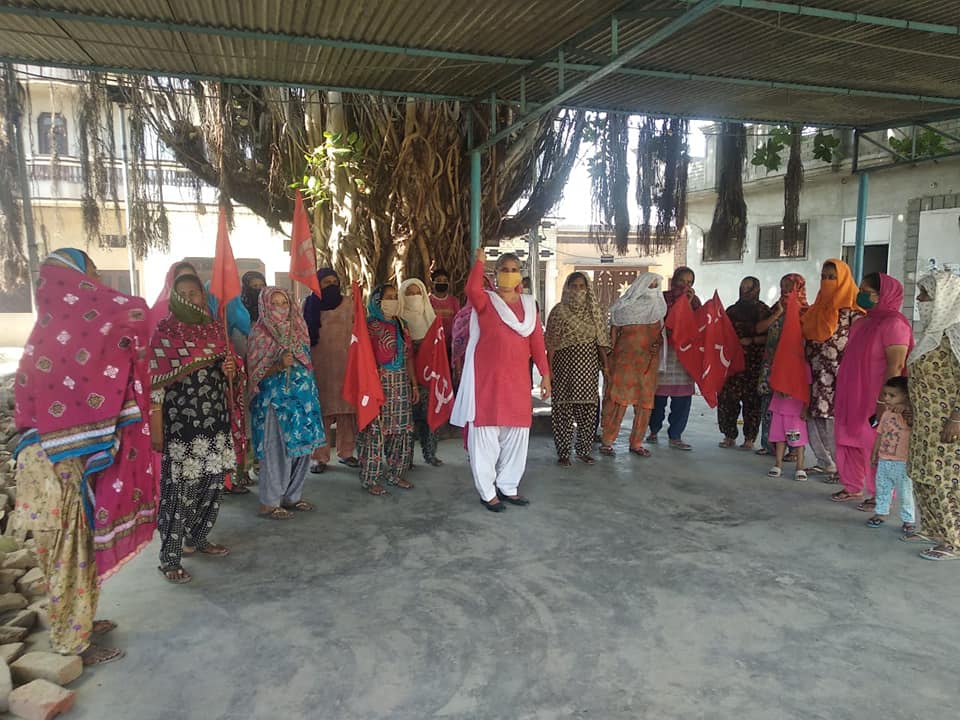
[498,458]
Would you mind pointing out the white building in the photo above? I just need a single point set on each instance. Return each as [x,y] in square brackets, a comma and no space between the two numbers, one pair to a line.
[58,221]
[912,216]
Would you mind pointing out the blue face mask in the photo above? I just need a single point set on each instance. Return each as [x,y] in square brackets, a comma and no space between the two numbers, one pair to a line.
[864,300]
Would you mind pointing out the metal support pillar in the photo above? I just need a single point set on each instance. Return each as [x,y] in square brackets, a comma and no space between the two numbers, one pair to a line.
[475,200]
[861,236]
[132,260]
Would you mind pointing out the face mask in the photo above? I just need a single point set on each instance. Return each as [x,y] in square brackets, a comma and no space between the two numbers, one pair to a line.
[413,304]
[864,300]
[578,297]
[925,309]
[330,297]
[508,280]
[390,307]
[441,287]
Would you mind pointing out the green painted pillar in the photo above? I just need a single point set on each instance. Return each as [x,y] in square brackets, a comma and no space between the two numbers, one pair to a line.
[861,236]
[475,200]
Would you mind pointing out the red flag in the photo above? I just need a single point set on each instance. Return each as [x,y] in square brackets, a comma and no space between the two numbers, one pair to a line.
[685,336]
[722,352]
[303,254]
[433,370]
[789,373]
[225,283]
[361,383]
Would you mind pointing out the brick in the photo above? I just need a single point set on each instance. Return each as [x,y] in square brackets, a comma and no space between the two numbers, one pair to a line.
[19,618]
[41,606]
[12,601]
[6,686]
[11,634]
[21,559]
[40,700]
[54,667]
[33,584]
[11,651]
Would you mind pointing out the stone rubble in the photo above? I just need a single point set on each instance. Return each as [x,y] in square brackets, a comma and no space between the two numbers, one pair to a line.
[31,676]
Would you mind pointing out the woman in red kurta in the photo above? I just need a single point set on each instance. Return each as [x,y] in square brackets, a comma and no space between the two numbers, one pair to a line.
[494,397]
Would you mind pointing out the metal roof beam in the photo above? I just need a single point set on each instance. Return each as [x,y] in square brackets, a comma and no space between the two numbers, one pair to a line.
[674,26]
[108,69]
[854,17]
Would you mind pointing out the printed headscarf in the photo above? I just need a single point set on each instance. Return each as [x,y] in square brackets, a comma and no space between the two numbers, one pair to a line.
[186,340]
[81,392]
[418,320]
[276,332]
[388,337]
[820,321]
[577,319]
[799,288]
[640,304]
[940,316]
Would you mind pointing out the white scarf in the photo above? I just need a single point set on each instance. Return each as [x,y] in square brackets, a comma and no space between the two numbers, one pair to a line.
[465,406]
[940,316]
[418,323]
[640,304]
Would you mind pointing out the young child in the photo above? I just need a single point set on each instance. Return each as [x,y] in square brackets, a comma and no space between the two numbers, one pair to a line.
[788,427]
[890,455]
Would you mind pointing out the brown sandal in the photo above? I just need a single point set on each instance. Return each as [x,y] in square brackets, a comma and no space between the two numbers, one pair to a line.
[175,575]
[844,496]
[277,513]
[300,506]
[97,655]
[377,490]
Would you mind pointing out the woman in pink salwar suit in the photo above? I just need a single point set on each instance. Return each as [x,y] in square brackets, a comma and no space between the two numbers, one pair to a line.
[876,351]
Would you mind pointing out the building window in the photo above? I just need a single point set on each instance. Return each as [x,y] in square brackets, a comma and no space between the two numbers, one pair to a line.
[771,243]
[52,133]
[119,280]
[878,232]
[114,241]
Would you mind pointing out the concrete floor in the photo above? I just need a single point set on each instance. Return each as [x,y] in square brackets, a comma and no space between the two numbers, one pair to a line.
[684,586]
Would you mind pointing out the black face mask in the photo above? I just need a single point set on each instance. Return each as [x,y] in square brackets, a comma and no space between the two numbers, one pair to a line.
[250,297]
[441,287]
[330,297]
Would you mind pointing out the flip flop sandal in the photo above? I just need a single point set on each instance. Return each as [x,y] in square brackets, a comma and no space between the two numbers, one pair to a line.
[277,513]
[832,479]
[844,496]
[404,484]
[377,490]
[652,438]
[680,445]
[318,468]
[179,576]
[800,476]
[917,537]
[642,452]
[815,470]
[102,627]
[728,444]
[586,459]
[96,655]
[867,505]
[875,522]
[761,451]
[607,450]
[350,462]
[936,554]
[300,506]
[214,550]
[564,462]
[775,472]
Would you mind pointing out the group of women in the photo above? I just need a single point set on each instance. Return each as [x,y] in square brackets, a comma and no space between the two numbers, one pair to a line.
[103,377]
[855,339]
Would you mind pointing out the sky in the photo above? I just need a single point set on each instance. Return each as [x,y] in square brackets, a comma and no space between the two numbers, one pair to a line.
[574,209]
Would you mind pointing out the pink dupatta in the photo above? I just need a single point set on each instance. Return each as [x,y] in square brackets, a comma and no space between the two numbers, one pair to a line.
[862,370]
[82,392]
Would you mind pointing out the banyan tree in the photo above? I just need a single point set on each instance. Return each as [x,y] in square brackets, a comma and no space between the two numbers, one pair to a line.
[386,179]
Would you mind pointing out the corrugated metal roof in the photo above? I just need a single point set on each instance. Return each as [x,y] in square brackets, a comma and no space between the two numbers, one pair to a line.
[739,55]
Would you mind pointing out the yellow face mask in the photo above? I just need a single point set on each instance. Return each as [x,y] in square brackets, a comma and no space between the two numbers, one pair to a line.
[508,279]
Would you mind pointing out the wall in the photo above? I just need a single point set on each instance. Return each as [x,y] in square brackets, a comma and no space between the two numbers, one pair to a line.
[827,200]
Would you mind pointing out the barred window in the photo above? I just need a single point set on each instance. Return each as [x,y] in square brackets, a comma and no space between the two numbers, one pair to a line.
[771,243]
